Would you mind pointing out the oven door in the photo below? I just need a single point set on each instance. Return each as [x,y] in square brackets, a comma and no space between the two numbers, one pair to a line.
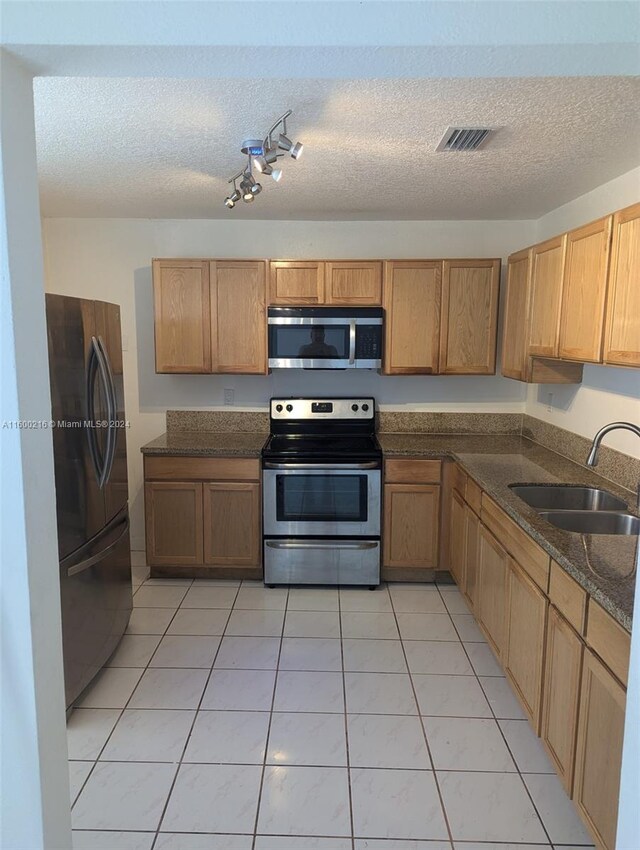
[303,499]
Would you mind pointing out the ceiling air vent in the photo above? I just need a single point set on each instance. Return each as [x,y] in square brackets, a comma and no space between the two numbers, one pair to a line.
[464,138]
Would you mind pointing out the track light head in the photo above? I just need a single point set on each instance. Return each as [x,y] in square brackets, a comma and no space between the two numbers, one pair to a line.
[293,149]
[261,164]
[229,203]
[276,174]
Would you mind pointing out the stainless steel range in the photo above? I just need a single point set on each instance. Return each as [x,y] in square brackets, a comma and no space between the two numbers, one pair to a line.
[322,492]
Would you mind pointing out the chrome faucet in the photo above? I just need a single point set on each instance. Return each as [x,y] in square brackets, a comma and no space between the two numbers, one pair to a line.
[592,459]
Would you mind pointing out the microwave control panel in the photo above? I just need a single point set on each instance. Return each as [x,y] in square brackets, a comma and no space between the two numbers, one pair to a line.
[369,342]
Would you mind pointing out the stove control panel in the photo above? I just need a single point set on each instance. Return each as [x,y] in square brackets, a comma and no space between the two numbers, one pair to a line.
[322,408]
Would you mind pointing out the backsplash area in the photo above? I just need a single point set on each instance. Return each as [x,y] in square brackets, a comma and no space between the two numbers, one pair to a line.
[613,465]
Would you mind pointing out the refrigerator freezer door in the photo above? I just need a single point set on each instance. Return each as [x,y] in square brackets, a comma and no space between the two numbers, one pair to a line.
[96,604]
[108,331]
[80,502]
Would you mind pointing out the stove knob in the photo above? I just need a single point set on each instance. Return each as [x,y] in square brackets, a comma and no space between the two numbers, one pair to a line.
[365,407]
[354,407]
[279,408]
[289,408]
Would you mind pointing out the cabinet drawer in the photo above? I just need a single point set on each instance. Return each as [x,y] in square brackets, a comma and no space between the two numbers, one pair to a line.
[517,542]
[474,495]
[568,597]
[412,471]
[608,640]
[202,468]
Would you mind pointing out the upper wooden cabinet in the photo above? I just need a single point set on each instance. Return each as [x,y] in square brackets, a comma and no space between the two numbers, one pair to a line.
[622,327]
[181,299]
[514,338]
[357,282]
[545,299]
[210,316]
[470,291]
[353,282]
[238,310]
[296,282]
[534,283]
[584,291]
[412,295]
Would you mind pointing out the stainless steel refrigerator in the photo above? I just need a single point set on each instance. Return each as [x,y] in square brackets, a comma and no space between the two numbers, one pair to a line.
[90,455]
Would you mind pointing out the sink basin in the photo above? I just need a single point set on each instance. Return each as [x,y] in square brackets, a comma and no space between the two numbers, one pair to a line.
[593,522]
[568,498]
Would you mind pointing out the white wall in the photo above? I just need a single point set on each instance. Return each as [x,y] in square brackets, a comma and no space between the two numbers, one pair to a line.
[34,785]
[606,393]
[109,259]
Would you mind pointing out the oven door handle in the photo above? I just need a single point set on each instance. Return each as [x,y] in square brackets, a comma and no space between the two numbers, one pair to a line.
[370,464]
[326,544]
[352,342]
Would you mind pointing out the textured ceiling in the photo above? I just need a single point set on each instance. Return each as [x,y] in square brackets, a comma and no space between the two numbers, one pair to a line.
[151,148]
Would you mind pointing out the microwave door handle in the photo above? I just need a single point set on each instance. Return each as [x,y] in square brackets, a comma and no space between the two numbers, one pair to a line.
[352,342]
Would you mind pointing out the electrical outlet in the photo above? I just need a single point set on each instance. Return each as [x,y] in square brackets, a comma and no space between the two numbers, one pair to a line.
[228,395]
[549,402]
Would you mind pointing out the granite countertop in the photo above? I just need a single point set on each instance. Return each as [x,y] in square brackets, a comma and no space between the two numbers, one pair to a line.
[207,444]
[603,564]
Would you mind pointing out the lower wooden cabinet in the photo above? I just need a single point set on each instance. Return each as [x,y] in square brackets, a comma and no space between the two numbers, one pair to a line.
[523,656]
[457,539]
[491,589]
[411,514]
[232,523]
[206,527]
[471,556]
[561,695]
[173,522]
[599,749]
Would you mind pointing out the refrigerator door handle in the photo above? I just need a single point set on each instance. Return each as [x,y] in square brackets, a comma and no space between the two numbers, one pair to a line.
[120,522]
[90,428]
[112,411]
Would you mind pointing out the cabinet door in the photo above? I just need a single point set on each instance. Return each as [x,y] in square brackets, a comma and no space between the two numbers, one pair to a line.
[468,326]
[296,282]
[492,589]
[173,511]
[584,291]
[411,513]
[457,538]
[514,337]
[472,556]
[524,640]
[238,316]
[622,332]
[353,282]
[599,751]
[561,694]
[232,523]
[181,305]
[547,269]
[412,294]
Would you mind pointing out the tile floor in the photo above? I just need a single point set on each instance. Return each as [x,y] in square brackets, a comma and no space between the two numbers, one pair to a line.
[236,717]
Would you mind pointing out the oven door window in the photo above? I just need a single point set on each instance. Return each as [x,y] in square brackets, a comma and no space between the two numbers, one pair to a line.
[321,498]
[309,342]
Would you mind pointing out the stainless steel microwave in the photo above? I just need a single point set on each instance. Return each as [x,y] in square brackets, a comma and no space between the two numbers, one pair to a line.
[325,337]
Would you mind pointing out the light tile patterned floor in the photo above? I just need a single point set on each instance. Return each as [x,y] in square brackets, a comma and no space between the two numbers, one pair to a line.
[236,717]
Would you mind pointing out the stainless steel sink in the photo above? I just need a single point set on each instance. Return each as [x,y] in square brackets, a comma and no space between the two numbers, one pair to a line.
[593,522]
[568,498]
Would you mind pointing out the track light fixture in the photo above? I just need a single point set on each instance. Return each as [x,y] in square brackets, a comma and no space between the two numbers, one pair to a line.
[262,154]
